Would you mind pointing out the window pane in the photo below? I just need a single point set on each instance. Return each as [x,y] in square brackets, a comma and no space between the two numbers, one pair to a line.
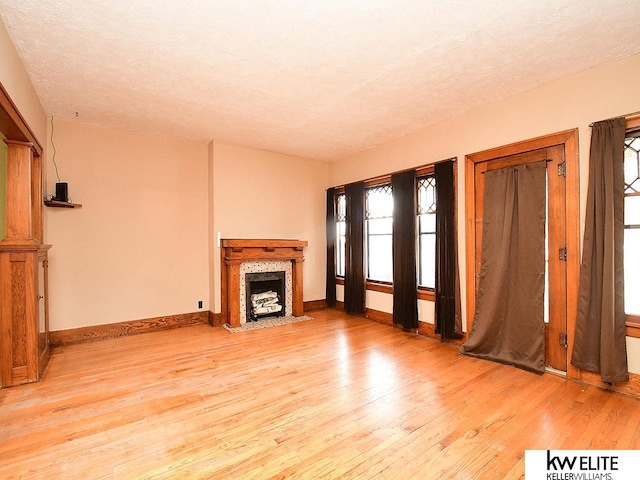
[632,271]
[380,226]
[340,248]
[632,165]
[341,208]
[379,202]
[427,223]
[632,211]
[379,258]
[427,195]
[426,232]
[427,260]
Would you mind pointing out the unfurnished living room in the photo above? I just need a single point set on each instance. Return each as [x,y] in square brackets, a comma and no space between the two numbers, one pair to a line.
[344,239]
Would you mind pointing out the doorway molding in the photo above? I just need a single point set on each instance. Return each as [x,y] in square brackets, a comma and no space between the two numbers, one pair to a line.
[568,139]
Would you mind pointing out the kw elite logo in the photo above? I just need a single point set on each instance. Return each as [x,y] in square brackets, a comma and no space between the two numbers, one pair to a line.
[581,467]
[582,464]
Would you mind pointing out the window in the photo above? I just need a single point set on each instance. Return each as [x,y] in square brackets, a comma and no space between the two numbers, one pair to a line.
[632,223]
[379,225]
[341,232]
[427,232]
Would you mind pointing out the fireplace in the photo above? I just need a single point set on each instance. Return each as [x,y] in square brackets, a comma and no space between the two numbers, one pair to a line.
[240,257]
[265,295]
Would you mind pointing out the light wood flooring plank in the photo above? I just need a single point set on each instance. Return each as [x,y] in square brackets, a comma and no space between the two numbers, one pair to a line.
[338,396]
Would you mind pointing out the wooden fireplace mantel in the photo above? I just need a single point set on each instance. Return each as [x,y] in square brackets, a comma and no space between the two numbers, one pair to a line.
[236,251]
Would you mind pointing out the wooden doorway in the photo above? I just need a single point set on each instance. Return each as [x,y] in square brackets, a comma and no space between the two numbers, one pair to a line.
[559,151]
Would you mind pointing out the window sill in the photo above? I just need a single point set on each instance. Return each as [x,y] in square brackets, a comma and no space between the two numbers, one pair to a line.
[633,326]
[423,293]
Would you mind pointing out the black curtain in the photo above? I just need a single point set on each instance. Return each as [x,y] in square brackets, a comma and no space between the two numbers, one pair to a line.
[405,282]
[448,321]
[354,286]
[331,249]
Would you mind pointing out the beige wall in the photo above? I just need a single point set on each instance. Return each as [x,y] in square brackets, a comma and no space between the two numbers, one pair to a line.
[572,102]
[17,83]
[138,246]
[260,194]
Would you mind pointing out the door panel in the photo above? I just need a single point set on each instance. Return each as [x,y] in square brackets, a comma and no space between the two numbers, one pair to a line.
[555,352]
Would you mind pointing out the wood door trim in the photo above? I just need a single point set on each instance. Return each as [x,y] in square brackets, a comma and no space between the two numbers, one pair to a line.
[568,139]
[13,124]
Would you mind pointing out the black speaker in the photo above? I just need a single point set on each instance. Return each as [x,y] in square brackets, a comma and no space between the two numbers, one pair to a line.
[62,192]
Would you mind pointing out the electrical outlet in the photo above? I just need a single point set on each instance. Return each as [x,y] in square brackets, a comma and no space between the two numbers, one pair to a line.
[199,303]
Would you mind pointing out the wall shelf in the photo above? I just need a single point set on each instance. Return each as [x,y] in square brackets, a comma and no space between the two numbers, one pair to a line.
[58,204]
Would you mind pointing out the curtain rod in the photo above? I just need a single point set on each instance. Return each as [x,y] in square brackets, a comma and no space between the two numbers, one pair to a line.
[629,116]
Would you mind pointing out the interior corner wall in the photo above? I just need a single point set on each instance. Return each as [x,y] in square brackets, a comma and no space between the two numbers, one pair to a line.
[16,82]
[138,246]
[601,92]
[261,194]
[211,235]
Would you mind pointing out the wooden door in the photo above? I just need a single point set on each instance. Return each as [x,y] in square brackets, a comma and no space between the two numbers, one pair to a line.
[556,294]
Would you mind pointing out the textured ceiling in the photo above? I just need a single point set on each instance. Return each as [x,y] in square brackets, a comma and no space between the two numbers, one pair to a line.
[317,79]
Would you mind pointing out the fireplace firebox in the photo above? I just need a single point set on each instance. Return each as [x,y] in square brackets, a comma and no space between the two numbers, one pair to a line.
[265,295]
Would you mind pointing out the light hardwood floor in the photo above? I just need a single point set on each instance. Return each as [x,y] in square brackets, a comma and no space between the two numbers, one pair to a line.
[335,397]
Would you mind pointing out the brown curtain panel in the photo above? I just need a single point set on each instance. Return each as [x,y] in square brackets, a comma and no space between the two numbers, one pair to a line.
[508,326]
[448,322]
[600,343]
[330,294]
[354,286]
[405,279]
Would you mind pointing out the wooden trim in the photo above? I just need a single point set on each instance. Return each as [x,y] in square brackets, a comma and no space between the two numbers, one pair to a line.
[426,294]
[428,330]
[569,139]
[421,171]
[312,305]
[428,170]
[633,123]
[13,124]
[423,293]
[524,146]
[379,316]
[236,251]
[266,244]
[379,287]
[378,181]
[633,326]
[215,319]
[633,321]
[122,329]
[632,387]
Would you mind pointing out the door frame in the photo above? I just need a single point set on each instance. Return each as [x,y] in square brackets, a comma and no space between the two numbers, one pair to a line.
[569,140]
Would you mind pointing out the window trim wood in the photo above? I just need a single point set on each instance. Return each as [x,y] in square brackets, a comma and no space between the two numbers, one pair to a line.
[426,170]
[569,139]
[632,322]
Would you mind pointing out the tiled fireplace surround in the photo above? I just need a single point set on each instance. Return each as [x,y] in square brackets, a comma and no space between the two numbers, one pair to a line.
[241,256]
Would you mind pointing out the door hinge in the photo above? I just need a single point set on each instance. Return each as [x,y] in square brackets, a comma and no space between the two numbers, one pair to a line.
[563,340]
[562,254]
[562,169]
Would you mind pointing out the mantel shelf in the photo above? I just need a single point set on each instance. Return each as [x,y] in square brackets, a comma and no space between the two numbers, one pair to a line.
[58,204]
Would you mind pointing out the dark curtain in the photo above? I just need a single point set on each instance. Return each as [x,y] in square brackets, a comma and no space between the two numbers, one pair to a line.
[354,286]
[600,343]
[448,321]
[405,281]
[331,249]
[508,326]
